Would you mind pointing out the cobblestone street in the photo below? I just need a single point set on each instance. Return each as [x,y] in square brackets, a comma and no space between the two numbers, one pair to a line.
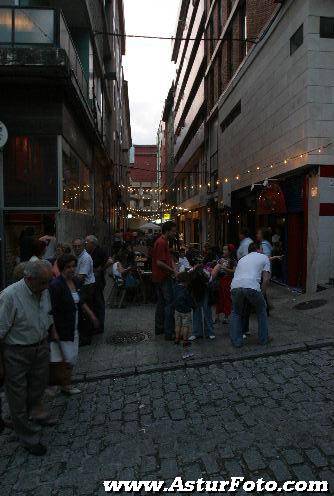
[289,328]
[269,417]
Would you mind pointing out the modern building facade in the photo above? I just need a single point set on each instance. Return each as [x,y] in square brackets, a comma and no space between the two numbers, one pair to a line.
[254,123]
[189,117]
[143,185]
[64,101]
[273,128]
[165,140]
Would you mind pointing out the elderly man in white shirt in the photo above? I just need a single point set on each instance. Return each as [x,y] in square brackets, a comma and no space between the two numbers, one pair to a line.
[25,321]
[85,268]
[246,290]
[245,241]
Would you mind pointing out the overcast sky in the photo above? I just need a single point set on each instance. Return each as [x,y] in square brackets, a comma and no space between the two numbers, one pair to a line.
[147,63]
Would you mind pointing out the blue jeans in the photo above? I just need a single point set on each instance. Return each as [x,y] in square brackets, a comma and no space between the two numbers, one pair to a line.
[202,319]
[241,299]
[164,312]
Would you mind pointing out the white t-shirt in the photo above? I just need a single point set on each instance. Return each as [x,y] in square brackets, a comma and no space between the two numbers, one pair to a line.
[243,248]
[249,270]
[85,267]
[183,264]
[115,270]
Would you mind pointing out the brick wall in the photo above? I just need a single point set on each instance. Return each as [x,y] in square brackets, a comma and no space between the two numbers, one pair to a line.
[257,17]
[258,14]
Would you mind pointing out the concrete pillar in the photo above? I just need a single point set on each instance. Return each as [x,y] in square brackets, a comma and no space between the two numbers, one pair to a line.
[313,234]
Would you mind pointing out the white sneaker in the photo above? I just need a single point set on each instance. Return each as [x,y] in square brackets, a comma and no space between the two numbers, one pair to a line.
[212,336]
[71,390]
[192,338]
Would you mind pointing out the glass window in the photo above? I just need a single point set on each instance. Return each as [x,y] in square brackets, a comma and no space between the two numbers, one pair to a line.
[34,26]
[77,183]
[5,25]
[297,39]
[31,172]
[326,27]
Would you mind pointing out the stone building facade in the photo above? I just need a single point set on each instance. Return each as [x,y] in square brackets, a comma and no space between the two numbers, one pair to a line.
[64,100]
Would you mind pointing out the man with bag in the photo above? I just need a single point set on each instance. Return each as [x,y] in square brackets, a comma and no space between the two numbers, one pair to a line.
[25,321]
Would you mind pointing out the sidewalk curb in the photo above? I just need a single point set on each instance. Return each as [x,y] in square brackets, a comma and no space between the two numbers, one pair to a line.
[203,362]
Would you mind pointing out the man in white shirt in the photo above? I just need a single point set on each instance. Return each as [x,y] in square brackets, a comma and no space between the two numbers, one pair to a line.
[25,324]
[246,290]
[245,241]
[84,269]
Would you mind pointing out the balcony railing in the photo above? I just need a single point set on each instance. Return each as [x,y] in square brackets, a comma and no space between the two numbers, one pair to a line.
[35,27]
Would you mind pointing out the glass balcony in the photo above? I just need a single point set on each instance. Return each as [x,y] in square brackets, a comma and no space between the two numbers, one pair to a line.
[38,27]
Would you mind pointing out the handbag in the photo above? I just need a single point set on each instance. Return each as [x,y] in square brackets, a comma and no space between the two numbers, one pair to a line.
[214,287]
[60,372]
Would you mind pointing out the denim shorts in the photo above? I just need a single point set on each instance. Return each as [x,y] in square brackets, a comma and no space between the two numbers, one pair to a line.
[182,319]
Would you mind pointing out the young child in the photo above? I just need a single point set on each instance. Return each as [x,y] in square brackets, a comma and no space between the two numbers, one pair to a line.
[183,304]
[202,316]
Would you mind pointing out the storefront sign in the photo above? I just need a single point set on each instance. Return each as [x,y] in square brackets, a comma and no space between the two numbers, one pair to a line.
[3,135]
[166,216]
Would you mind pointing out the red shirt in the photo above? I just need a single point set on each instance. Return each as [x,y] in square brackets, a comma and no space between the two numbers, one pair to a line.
[160,252]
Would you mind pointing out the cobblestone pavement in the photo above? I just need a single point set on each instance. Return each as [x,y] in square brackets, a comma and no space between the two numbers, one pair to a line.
[270,417]
[287,325]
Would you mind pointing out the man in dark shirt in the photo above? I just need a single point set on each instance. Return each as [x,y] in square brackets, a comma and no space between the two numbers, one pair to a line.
[101,262]
[162,271]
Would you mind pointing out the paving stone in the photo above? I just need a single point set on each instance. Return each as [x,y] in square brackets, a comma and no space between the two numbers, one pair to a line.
[317,458]
[280,470]
[304,472]
[292,456]
[254,460]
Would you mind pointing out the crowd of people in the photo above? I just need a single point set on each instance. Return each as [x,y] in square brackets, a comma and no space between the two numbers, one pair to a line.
[57,303]
[193,287]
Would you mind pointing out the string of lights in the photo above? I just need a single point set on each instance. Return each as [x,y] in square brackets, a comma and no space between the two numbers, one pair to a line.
[252,170]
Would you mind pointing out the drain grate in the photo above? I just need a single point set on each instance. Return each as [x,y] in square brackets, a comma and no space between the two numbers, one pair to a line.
[128,337]
[310,305]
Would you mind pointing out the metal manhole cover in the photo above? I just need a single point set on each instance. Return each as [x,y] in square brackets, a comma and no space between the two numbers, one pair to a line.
[310,305]
[128,337]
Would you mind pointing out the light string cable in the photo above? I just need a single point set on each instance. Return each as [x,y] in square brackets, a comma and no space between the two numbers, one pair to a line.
[237,177]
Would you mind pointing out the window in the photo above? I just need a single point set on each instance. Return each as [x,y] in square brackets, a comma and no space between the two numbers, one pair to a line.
[5,25]
[220,17]
[297,39]
[243,32]
[212,35]
[31,172]
[77,183]
[229,58]
[34,26]
[326,27]
[231,117]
